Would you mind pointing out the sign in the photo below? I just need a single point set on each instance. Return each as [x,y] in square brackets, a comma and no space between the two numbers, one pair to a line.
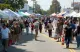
[75,4]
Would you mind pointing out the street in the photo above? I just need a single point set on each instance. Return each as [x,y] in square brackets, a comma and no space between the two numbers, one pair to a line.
[44,44]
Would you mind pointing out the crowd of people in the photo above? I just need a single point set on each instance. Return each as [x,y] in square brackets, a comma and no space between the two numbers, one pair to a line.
[66,30]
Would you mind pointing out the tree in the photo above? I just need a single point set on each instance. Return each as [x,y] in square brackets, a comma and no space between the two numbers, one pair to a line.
[4,6]
[15,4]
[55,7]
[37,8]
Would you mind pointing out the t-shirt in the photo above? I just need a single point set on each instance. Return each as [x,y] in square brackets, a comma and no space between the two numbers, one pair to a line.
[5,33]
[27,24]
[50,26]
[36,25]
[16,30]
[68,32]
[73,26]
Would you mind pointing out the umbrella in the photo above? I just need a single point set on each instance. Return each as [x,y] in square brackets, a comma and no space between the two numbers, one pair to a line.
[54,14]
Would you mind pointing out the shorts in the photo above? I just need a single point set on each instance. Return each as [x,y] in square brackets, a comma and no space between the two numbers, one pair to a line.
[5,42]
[36,31]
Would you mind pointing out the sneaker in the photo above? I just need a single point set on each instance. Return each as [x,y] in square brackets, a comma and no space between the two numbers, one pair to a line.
[67,46]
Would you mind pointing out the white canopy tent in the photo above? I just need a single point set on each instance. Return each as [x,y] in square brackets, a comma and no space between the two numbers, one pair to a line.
[3,15]
[78,15]
[26,13]
[73,14]
[18,15]
[53,14]
[10,13]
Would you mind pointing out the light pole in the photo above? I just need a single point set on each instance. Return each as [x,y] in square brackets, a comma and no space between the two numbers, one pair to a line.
[33,5]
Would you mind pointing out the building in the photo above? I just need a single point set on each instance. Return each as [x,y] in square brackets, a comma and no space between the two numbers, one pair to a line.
[76,6]
[27,8]
[67,10]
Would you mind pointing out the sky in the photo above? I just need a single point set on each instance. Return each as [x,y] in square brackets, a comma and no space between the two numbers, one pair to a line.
[45,4]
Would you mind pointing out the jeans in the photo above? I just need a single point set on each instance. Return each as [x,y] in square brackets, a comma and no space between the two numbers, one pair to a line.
[78,40]
[27,30]
[67,40]
[50,33]
[5,43]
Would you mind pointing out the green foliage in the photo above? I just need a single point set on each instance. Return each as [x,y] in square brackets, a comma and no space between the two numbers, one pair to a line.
[55,7]
[4,6]
[15,4]
[37,8]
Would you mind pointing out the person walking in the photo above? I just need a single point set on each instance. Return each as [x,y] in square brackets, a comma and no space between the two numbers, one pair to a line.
[50,27]
[58,31]
[5,33]
[68,34]
[46,22]
[78,36]
[36,27]
[40,26]
[32,27]
[73,29]
[16,30]
[27,27]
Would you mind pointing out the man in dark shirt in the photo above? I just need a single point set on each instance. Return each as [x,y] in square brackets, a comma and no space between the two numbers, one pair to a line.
[68,35]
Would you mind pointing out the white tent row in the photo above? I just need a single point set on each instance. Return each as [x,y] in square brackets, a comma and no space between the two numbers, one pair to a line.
[7,13]
[3,15]
[73,14]
[11,14]
[26,13]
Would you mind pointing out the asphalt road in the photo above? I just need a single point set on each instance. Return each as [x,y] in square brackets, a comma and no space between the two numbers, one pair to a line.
[44,44]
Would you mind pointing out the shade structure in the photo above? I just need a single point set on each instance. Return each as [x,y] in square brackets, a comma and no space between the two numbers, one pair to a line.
[10,13]
[63,13]
[73,14]
[67,14]
[60,16]
[26,13]
[38,15]
[20,13]
[54,14]
[3,15]
[78,15]
[23,14]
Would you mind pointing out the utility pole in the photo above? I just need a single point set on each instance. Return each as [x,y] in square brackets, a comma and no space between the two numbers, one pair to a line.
[34,5]
[73,4]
